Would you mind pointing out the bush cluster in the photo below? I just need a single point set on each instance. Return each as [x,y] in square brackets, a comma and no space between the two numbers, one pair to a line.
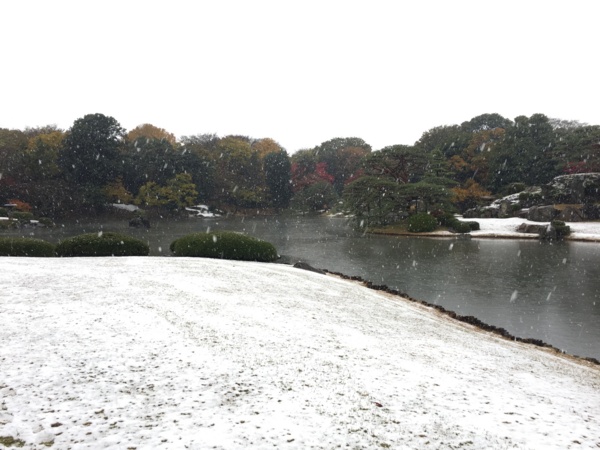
[460,227]
[3,212]
[224,245]
[448,220]
[102,244]
[47,222]
[422,223]
[22,216]
[15,246]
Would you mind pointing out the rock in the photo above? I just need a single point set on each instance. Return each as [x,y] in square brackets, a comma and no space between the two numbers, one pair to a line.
[542,213]
[575,188]
[505,209]
[554,231]
[138,222]
[305,266]
[532,228]
[570,213]
[591,211]
[485,212]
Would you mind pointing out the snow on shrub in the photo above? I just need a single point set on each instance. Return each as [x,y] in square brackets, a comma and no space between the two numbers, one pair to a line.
[15,246]
[224,245]
[102,244]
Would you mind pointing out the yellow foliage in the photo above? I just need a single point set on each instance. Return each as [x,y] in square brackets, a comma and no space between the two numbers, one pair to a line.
[150,131]
[116,192]
[265,146]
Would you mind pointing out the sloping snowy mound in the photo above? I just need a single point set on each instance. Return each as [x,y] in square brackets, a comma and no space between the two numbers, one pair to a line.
[189,353]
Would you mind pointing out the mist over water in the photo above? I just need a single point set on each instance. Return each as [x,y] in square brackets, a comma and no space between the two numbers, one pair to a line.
[533,290]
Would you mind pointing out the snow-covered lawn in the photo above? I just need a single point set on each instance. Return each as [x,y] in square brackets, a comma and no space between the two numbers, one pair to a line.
[181,353]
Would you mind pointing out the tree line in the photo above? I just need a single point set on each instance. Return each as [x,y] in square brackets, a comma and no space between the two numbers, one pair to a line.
[97,162]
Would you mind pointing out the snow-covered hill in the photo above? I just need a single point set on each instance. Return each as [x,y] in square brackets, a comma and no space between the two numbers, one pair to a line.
[180,353]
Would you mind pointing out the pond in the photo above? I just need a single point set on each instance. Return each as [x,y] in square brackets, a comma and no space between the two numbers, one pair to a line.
[533,290]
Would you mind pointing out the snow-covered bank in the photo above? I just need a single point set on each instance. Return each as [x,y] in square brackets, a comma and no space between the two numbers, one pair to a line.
[175,352]
[507,228]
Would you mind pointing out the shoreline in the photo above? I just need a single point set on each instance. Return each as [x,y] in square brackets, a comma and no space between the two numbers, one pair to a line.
[449,235]
[470,320]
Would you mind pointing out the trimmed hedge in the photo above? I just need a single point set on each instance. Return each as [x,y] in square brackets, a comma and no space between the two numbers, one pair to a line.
[15,246]
[453,224]
[224,245]
[47,222]
[461,227]
[102,244]
[474,226]
[422,223]
[22,216]
[445,219]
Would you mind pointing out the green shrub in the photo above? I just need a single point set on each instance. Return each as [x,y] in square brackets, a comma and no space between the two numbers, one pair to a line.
[15,246]
[422,223]
[473,226]
[8,224]
[46,221]
[22,216]
[445,219]
[102,244]
[561,229]
[461,227]
[3,212]
[224,245]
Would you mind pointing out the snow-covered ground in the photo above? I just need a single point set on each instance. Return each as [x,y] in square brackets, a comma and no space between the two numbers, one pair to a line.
[181,353]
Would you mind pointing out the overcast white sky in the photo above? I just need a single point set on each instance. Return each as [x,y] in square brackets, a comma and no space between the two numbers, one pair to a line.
[300,72]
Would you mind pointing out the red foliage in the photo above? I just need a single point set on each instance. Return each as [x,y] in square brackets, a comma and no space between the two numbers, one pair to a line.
[20,206]
[302,176]
[321,172]
[355,176]
[580,167]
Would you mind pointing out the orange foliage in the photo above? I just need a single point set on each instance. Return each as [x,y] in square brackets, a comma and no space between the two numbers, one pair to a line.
[20,206]
[467,196]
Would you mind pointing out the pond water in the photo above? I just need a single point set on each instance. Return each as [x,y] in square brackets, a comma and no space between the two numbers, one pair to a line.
[533,290]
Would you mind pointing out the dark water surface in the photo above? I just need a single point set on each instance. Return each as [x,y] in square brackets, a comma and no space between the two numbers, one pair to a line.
[533,290]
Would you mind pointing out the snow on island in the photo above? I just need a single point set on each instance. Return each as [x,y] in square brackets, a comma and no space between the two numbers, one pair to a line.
[179,353]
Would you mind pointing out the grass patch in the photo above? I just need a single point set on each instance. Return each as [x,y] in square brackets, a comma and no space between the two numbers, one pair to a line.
[9,441]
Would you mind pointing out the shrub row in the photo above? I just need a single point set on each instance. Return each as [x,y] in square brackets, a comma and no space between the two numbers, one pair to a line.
[15,246]
[425,223]
[448,220]
[224,245]
[102,244]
